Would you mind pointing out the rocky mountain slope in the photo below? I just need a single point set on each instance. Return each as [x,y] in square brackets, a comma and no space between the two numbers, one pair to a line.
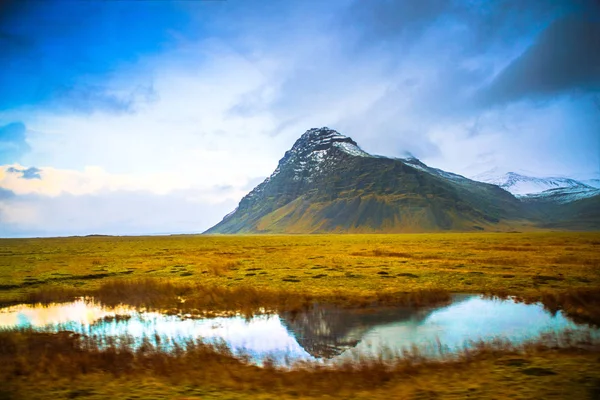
[327,183]
[326,331]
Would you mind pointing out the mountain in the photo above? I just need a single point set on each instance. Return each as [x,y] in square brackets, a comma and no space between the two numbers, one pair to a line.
[327,183]
[519,184]
[562,195]
[326,331]
[593,182]
[551,189]
[576,214]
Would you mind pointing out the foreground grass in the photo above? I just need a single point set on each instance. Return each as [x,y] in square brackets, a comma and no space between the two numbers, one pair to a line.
[573,376]
[217,273]
[560,269]
[517,263]
[38,365]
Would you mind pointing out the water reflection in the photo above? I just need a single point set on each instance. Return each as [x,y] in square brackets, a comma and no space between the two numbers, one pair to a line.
[327,331]
[324,332]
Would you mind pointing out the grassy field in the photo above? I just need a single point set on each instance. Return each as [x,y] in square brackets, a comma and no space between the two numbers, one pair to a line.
[215,273]
[41,366]
[553,267]
[318,264]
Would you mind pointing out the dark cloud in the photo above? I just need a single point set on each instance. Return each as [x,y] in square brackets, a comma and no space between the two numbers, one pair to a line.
[12,142]
[566,57]
[390,20]
[483,24]
[6,194]
[494,24]
[29,173]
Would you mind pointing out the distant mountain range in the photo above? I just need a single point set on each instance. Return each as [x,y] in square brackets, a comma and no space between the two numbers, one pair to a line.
[327,183]
[557,189]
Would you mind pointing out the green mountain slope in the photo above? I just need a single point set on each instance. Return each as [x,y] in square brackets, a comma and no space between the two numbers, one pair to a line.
[326,183]
[580,214]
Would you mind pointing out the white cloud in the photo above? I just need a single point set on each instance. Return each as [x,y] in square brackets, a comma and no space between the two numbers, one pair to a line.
[119,213]
[55,182]
[211,115]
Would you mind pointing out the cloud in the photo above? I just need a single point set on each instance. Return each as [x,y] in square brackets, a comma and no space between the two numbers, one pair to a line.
[566,57]
[29,173]
[12,142]
[382,22]
[195,109]
[5,194]
[88,98]
[53,182]
[117,213]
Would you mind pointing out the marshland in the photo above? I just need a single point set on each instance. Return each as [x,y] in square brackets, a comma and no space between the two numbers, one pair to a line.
[299,199]
[328,297]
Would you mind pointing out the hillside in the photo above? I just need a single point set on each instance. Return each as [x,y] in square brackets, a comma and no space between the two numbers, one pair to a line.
[327,183]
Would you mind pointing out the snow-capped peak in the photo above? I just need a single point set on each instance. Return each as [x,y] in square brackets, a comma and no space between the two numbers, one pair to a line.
[317,139]
[520,185]
[308,155]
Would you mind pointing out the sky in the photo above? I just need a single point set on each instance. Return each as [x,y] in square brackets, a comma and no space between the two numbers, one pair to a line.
[149,117]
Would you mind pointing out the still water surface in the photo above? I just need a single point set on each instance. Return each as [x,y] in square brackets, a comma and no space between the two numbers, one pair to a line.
[324,332]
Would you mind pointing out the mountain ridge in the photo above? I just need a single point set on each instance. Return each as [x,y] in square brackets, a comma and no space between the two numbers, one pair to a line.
[544,189]
[327,183]
[520,184]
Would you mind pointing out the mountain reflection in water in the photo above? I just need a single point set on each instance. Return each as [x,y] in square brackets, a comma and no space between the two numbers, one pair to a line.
[322,332]
[326,331]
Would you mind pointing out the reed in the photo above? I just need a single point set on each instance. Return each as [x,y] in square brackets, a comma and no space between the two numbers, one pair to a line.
[195,297]
[25,354]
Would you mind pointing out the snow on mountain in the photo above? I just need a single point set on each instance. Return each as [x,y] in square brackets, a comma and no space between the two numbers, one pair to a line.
[550,189]
[563,195]
[314,147]
[351,149]
[594,182]
[326,183]
[314,151]
[521,185]
[418,164]
[588,178]
[309,153]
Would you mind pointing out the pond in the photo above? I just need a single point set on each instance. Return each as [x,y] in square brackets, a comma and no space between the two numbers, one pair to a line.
[324,332]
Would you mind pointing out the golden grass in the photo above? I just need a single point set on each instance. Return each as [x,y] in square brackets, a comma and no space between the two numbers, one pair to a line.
[353,268]
[247,273]
[44,359]
[195,298]
[455,262]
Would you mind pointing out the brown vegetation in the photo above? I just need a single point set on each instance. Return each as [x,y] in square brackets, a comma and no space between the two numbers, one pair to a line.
[197,298]
[26,356]
[251,274]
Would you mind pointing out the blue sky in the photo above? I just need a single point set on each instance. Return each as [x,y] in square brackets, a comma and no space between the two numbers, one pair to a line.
[132,116]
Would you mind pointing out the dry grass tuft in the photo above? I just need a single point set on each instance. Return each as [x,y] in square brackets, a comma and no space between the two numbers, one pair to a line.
[66,355]
[165,294]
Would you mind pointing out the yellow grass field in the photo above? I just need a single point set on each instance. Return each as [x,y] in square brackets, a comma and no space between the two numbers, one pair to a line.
[515,263]
[236,272]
